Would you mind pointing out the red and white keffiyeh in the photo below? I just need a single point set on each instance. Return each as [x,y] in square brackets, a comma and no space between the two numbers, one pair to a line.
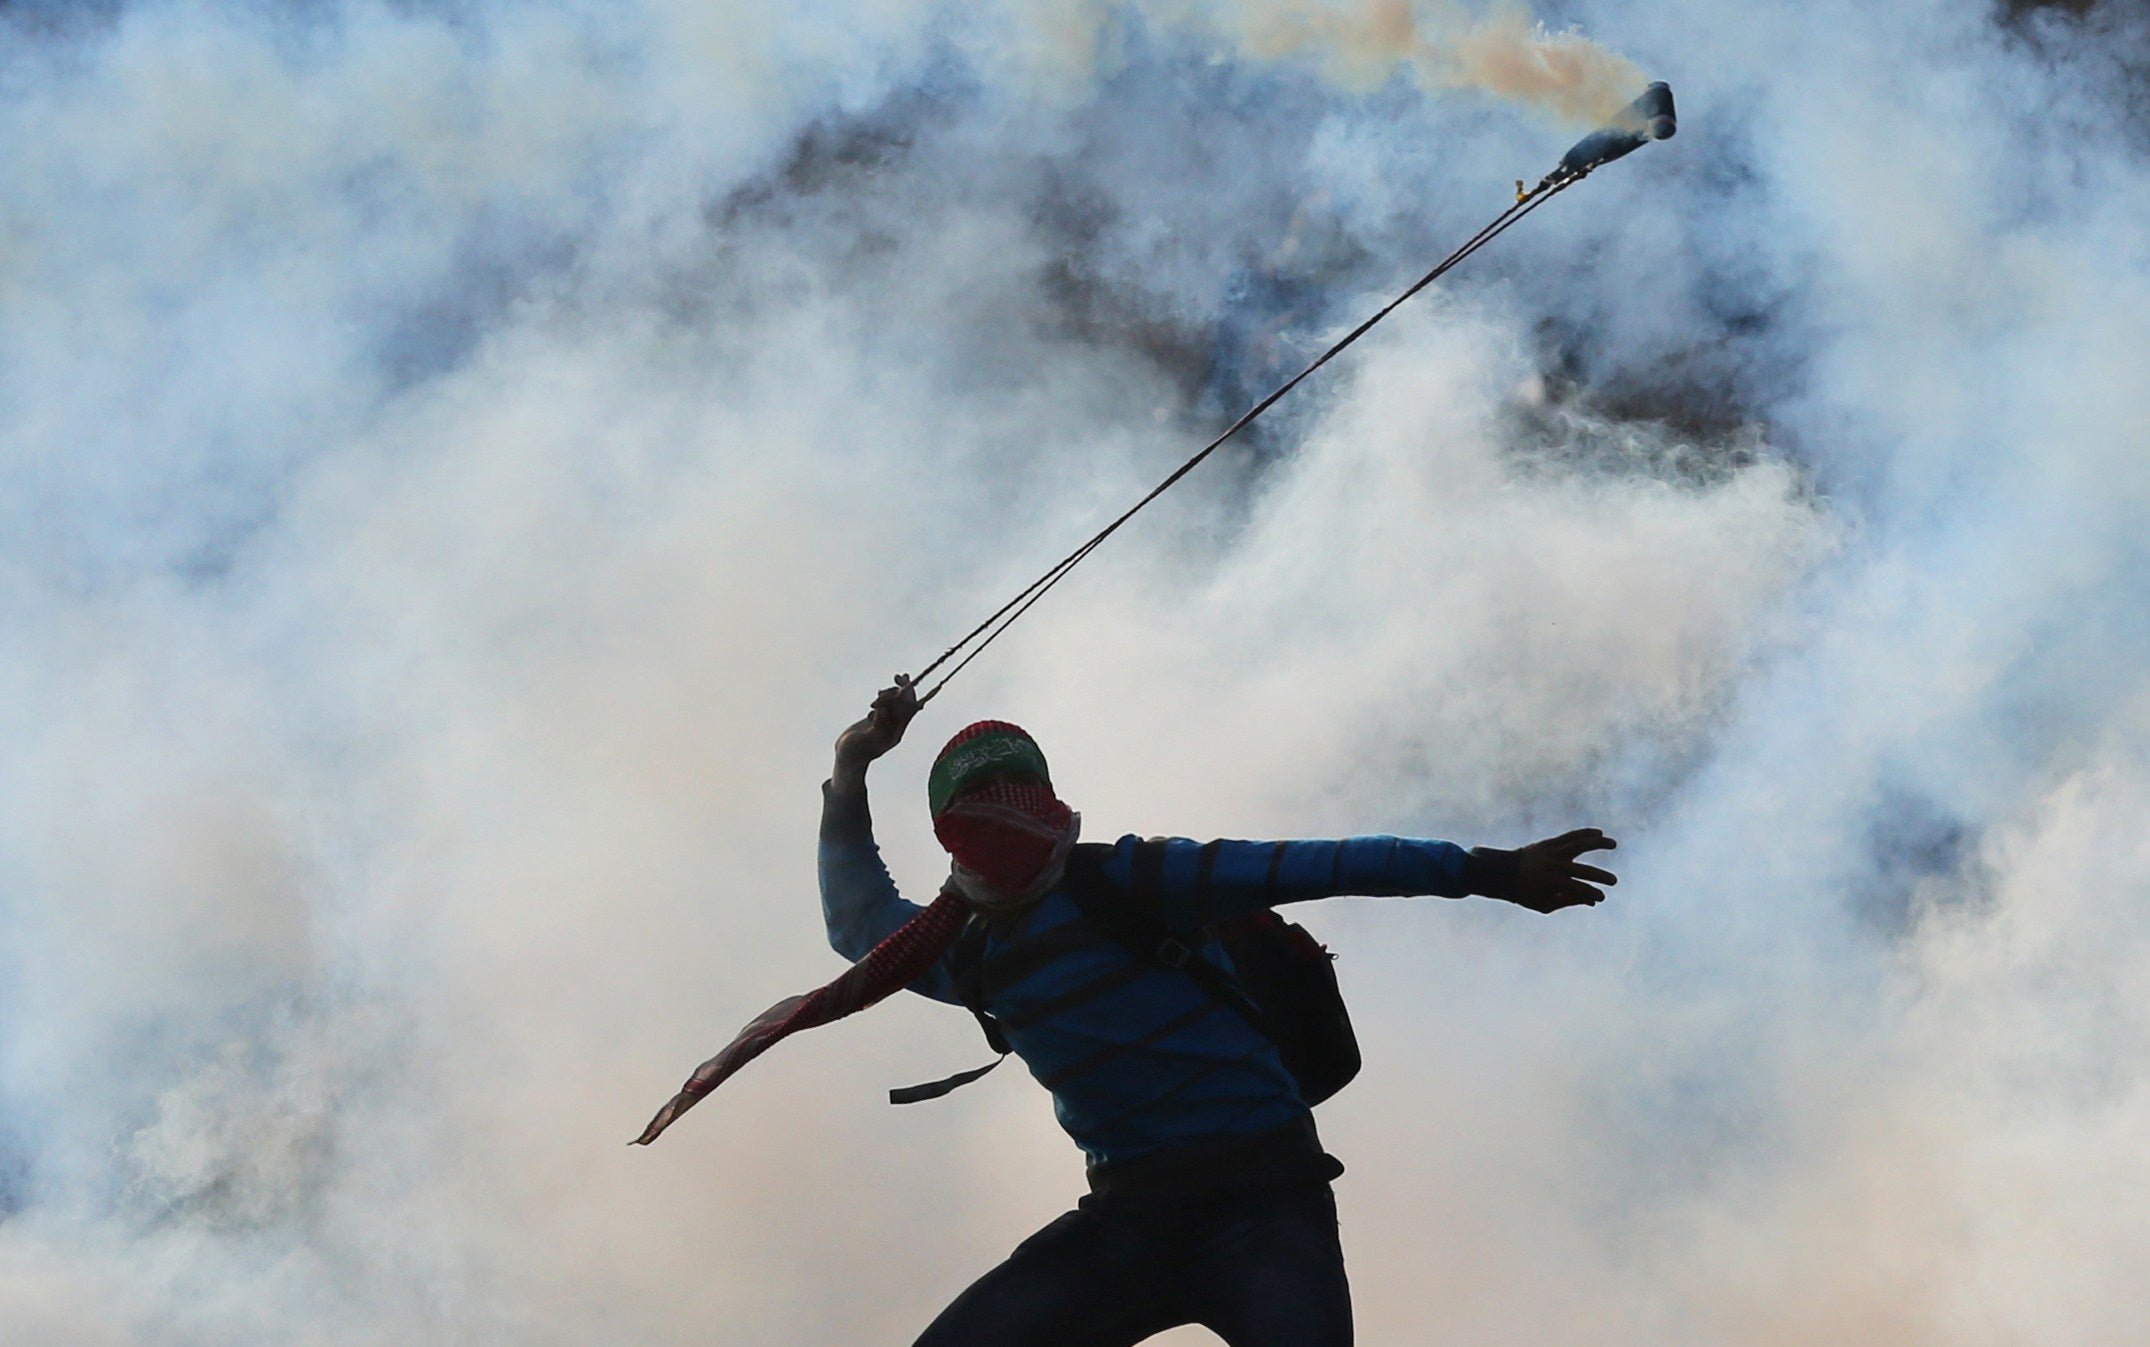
[887,968]
[1009,842]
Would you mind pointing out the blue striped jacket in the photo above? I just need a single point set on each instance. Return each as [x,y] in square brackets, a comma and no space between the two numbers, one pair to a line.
[1138,1058]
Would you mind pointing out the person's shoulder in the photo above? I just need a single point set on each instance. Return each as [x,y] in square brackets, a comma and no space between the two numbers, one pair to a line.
[1088,856]
[1129,841]
[1126,845]
[1130,863]
[1087,860]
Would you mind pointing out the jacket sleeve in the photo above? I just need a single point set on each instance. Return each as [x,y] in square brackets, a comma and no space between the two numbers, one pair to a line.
[859,902]
[1193,884]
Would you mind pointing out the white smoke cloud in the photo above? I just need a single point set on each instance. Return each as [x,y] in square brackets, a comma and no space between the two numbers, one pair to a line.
[463,464]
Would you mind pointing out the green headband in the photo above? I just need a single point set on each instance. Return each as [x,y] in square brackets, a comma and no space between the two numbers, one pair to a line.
[995,753]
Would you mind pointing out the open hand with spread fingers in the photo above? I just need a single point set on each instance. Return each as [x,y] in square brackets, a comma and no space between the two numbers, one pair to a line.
[1546,876]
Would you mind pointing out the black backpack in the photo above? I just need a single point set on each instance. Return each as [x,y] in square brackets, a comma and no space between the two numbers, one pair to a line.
[1290,978]
[1283,983]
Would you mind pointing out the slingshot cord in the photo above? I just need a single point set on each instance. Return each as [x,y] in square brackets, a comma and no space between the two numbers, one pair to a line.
[1006,615]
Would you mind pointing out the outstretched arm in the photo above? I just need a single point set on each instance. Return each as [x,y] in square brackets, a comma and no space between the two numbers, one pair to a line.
[859,901]
[1196,883]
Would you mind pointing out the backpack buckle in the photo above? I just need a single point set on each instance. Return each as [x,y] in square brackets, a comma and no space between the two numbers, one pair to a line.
[1174,954]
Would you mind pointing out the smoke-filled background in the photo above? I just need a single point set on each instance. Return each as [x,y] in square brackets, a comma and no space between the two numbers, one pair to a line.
[460,465]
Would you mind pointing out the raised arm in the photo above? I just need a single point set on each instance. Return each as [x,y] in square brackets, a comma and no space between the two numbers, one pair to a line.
[1196,883]
[860,904]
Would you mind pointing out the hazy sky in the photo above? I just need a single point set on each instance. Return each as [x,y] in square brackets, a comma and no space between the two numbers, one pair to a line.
[460,465]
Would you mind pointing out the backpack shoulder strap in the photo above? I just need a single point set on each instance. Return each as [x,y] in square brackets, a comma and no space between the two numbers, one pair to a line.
[967,966]
[966,963]
[1122,919]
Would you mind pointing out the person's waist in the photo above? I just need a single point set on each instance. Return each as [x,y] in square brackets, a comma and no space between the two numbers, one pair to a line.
[1279,1156]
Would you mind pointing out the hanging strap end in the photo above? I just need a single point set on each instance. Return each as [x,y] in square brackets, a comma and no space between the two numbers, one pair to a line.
[918,1094]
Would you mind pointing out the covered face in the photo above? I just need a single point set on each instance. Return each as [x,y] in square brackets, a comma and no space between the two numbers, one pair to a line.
[995,812]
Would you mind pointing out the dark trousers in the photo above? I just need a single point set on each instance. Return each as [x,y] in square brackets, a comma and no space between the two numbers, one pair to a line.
[1258,1269]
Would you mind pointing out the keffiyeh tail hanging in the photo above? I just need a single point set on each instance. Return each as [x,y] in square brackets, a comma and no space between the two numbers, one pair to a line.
[887,968]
